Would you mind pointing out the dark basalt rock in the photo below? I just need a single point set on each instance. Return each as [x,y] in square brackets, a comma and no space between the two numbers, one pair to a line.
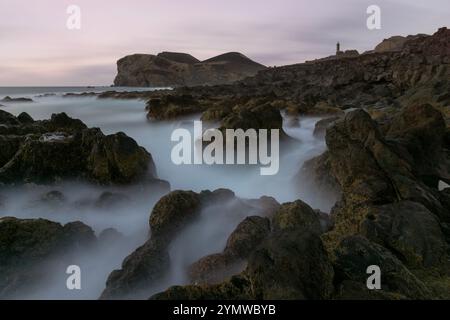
[289,262]
[149,262]
[9,99]
[237,288]
[288,265]
[173,212]
[410,230]
[146,265]
[385,157]
[64,148]
[291,265]
[384,195]
[355,254]
[26,245]
[322,125]
[247,236]
[296,215]
[417,73]
[421,130]
[8,119]
[25,118]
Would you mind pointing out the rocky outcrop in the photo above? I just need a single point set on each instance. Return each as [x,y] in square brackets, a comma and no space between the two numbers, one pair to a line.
[242,242]
[289,263]
[385,81]
[289,266]
[355,254]
[390,197]
[171,69]
[27,246]
[395,43]
[391,214]
[64,148]
[249,235]
[297,215]
[151,262]
[21,99]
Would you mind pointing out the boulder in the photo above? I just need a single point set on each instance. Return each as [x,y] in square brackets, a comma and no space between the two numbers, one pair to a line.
[253,116]
[296,215]
[288,265]
[8,119]
[25,118]
[247,236]
[64,148]
[241,243]
[143,268]
[173,106]
[291,265]
[410,230]
[322,125]
[355,254]
[27,246]
[421,130]
[172,212]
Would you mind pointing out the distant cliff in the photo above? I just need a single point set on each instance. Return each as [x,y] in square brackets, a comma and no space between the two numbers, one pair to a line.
[181,69]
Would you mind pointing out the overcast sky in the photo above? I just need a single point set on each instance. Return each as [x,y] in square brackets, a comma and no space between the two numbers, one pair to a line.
[36,47]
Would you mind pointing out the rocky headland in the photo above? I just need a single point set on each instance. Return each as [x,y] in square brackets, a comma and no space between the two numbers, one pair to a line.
[173,69]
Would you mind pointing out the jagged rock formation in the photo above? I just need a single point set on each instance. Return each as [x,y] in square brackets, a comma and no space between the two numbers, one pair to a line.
[64,148]
[9,99]
[171,69]
[151,262]
[27,247]
[287,261]
[391,214]
[385,81]
[395,43]
[388,149]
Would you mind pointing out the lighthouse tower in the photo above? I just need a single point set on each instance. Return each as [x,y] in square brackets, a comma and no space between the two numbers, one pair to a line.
[338,48]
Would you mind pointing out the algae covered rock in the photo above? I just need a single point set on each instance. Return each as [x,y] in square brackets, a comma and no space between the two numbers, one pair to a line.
[48,151]
[28,245]
[355,254]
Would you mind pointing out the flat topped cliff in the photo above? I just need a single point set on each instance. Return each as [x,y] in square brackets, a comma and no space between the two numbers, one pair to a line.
[173,69]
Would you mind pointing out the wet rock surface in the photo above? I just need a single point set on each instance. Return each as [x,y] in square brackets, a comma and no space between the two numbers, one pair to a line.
[27,246]
[388,151]
[64,148]
[173,213]
[385,81]
[391,214]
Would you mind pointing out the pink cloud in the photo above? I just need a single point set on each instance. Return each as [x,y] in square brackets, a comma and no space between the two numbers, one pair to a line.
[38,49]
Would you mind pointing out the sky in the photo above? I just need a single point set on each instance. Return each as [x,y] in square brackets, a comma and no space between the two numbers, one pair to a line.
[37,48]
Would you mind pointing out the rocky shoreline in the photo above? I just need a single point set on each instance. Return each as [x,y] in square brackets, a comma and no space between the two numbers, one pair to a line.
[387,131]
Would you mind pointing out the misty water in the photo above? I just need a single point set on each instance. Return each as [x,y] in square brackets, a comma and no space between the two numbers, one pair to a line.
[130,217]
